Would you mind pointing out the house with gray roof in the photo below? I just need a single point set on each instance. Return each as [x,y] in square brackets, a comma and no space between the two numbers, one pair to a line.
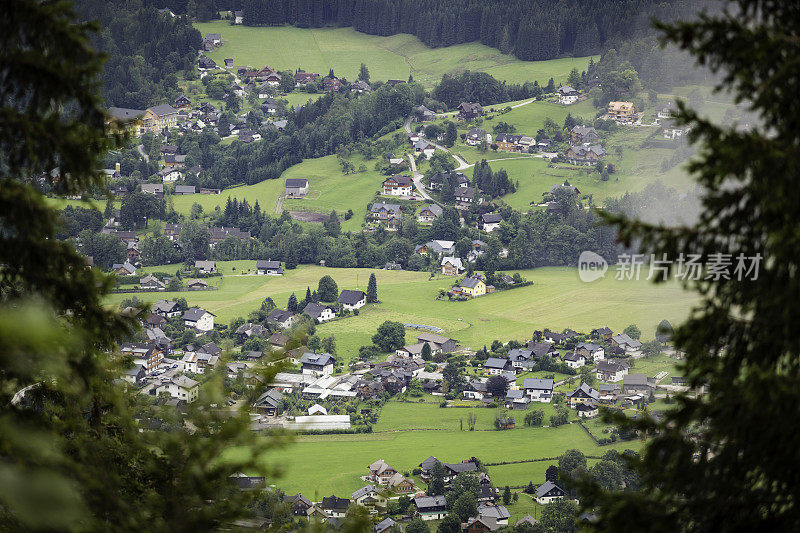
[428,213]
[296,187]
[538,389]
[318,312]
[548,492]
[430,507]
[583,394]
[317,363]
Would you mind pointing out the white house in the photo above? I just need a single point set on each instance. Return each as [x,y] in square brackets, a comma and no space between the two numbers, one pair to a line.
[611,371]
[180,387]
[491,221]
[591,351]
[206,267]
[538,390]
[282,317]
[352,299]
[317,364]
[548,492]
[567,95]
[268,268]
[319,312]
[199,319]
[574,360]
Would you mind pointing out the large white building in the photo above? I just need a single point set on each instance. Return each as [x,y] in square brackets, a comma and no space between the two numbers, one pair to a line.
[181,388]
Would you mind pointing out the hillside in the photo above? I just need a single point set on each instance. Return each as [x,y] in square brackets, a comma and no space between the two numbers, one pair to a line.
[344,49]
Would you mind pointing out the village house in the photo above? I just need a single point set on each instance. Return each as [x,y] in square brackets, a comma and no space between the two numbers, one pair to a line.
[135,375]
[180,387]
[480,524]
[469,110]
[623,340]
[521,358]
[278,341]
[206,63]
[585,155]
[156,189]
[437,180]
[387,525]
[160,117]
[281,317]
[592,352]
[604,333]
[196,284]
[172,231]
[621,111]
[415,350]
[400,185]
[268,268]
[476,136]
[494,366]
[198,319]
[499,513]
[215,38]
[166,308]
[360,87]
[350,299]
[430,507]
[169,175]
[269,106]
[471,287]
[174,160]
[181,190]
[386,214]
[580,134]
[428,213]
[250,329]
[425,148]
[587,410]
[567,95]
[380,472]
[298,504]
[574,360]
[123,269]
[464,197]
[206,267]
[671,130]
[400,484]
[150,282]
[220,234]
[182,102]
[331,85]
[583,394]
[611,371]
[443,344]
[538,389]
[638,383]
[319,312]
[540,349]
[437,247]
[296,187]
[335,507]
[508,142]
[370,497]
[548,492]
[302,78]
[490,221]
[452,266]
[147,355]
[317,364]
[128,119]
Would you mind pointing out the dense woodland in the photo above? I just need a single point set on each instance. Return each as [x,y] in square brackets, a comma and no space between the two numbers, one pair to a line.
[145,51]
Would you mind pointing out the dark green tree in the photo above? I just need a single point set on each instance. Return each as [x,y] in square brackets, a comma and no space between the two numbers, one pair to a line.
[327,290]
[372,289]
[332,225]
[390,336]
[551,474]
[507,495]
[291,305]
[436,485]
[726,460]
[426,352]
[633,331]
[417,525]
[363,73]
[559,516]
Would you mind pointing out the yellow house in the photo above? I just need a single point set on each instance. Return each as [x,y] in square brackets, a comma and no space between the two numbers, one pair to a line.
[472,287]
[127,119]
[621,110]
[156,118]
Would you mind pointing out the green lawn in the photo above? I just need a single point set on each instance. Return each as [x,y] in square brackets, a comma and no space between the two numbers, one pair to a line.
[557,299]
[344,49]
[321,465]
[329,189]
[406,416]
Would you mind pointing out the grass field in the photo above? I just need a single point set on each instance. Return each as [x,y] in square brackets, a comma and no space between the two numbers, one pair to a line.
[321,465]
[557,299]
[395,57]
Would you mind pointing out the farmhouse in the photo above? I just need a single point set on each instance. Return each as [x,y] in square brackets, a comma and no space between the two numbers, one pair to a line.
[415,350]
[548,492]
[624,341]
[335,507]
[360,87]
[497,512]
[380,471]
[385,526]
[471,287]
[574,360]
[166,308]
[469,110]
[277,340]
[282,317]
[352,299]
[296,187]
[464,196]
[538,390]
[156,189]
[621,111]
[476,136]
[585,155]
[386,214]
[591,351]
[480,524]
[671,130]
[401,484]
[269,402]
[581,134]
[452,266]
[302,78]
[369,497]
[268,268]
[604,333]
[317,364]
[181,190]
[152,283]
[428,213]
[424,114]
[611,371]
[199,319]
[269,106]
[196,284]
[520,358]
[401,185]
[508,142]
[444,344]
[147,355]
[298,503]
[438,247]
[206,63]
[637,383]
[494,366]
[540,349]
[331,84]
[180,387]
[491,221]
[567,95]
[318,312]
[587,410]
[437,180]
[206,267]
[430,507]
[583,394]
[123,269]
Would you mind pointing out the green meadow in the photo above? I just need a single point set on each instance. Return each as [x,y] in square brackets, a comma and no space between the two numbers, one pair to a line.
[557,299]
[395,57]
[321,465]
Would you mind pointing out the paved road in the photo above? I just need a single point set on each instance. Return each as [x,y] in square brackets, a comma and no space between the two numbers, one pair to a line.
[146,157]
[461,163]
[417,177]
[279,205]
